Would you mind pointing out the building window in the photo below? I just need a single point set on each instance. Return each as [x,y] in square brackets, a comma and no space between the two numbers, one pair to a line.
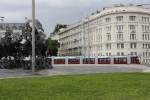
[108,20]
[118,53]
[145,19]
[120,36]
[146,54]
[108,28]
[101,47]
[1,27]
[133,45]
[108,46]
[120,28]
[146,46]
[100,37]
[119,18]
[108,54]
[132,36]
[14,27]
[145,28]
[108,36]
[133,53]
[122,54]
[143,54]
[146,36]
[120,45]
[132,27]
[132,18]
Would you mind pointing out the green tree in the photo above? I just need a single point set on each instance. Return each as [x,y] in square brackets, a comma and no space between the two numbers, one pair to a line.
[39,40]
[53,45]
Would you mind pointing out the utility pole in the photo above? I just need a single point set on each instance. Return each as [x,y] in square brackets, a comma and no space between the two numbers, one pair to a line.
[33,36]
[83,37]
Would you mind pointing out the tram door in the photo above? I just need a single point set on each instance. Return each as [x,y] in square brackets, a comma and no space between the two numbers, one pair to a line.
[135,60]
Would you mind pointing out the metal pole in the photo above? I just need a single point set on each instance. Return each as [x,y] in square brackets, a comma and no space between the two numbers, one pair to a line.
[33,36]
[83,38]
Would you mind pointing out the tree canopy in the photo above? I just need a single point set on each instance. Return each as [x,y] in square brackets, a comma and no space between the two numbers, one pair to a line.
[14,47]
[22,47]
[53,46]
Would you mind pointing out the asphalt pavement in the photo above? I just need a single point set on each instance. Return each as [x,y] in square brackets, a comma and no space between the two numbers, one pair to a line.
[87,69]
[73,70]
[12,73]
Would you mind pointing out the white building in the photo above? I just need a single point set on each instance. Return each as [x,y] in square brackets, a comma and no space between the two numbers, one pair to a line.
[54,36]
[119,30]
[16,29]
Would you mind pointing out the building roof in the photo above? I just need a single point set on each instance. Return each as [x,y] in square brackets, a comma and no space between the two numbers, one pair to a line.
[111,10]
[121,9]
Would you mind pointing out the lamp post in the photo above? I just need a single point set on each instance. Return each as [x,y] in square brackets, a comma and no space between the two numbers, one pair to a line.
[2,18]
[83,38]
[33,36]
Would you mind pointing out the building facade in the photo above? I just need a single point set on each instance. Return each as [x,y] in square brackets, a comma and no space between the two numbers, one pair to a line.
[119,30]
[54,36]
[16,29]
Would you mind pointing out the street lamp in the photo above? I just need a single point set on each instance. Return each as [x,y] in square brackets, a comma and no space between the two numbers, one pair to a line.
[2,18]
[33,36]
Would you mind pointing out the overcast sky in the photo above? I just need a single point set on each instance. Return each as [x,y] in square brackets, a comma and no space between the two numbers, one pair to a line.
[51,12]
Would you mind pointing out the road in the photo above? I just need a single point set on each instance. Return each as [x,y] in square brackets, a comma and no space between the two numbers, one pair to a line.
[74,69]
[87,69]
[5,73]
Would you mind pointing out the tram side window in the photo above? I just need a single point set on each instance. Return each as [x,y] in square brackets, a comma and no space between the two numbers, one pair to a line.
[92,59]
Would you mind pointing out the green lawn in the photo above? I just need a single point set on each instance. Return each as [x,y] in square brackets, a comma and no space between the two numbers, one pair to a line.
[133,86]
